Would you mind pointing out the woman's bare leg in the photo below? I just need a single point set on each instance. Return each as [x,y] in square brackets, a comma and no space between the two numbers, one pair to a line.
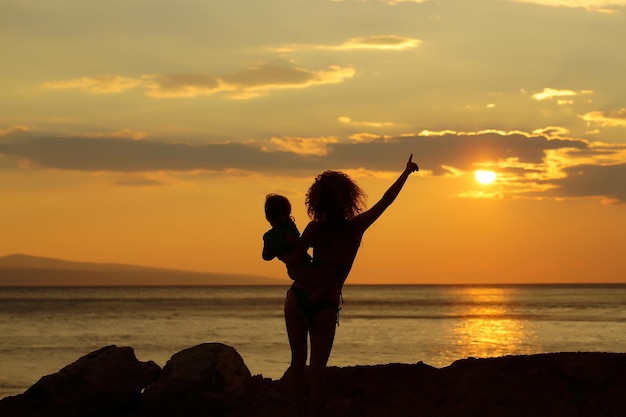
[322,337]
[297,332]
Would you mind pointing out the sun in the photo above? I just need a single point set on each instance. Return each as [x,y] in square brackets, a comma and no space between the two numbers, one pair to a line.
[485,177]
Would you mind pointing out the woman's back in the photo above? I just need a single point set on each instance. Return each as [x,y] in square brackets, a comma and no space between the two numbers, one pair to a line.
[334,243]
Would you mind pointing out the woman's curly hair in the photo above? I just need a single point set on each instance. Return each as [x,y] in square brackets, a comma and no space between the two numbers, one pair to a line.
[334,196]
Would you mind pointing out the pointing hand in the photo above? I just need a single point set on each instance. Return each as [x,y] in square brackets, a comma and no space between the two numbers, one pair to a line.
[411,166]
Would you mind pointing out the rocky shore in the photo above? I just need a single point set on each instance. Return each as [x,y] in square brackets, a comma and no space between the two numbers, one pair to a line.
[212,379]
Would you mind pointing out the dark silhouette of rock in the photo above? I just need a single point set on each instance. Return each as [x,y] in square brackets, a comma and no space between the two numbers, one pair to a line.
[204,380]
[543,385]
[101,383]
[212,380]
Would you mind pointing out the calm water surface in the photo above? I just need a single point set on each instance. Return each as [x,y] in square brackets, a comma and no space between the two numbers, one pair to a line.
[44,329]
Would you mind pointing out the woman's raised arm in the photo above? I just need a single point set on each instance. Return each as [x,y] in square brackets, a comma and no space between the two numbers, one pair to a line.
[367,218]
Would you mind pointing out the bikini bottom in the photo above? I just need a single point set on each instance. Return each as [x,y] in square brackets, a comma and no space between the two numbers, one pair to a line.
[310,310]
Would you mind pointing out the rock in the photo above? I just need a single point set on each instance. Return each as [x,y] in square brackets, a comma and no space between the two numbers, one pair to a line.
[204,380]
[101,383]
[211,380]
[545,385]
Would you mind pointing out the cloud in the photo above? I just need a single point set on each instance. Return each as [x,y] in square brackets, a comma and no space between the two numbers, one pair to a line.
[123,133]
[264,77]
[364,137]
[302,146]
[250,83]
[394,2]
[12,129]
[610,118]
[550,93]
[181,85]
[382,43]
[528,164]
[603,6]
[347,120]
[551,131]
[131,156]
[605,182]
[105,84]
[143,180]
[374,42]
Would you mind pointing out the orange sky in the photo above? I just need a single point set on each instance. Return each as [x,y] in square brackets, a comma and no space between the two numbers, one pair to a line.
[153,138]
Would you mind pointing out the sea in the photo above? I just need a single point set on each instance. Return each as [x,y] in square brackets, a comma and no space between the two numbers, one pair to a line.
[42,329]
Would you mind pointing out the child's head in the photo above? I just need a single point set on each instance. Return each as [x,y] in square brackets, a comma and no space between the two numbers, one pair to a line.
[277,208]
[334,196]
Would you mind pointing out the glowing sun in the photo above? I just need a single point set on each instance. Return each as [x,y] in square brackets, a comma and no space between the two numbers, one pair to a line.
[485,177]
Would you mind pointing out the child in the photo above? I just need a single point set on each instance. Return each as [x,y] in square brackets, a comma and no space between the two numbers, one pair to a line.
[278,241]
[281,242]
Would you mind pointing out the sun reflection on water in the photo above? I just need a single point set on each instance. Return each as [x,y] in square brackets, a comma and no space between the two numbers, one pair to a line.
[488,324]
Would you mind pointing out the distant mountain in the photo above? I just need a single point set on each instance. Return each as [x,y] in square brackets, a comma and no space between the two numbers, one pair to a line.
[26,270]
[19,260]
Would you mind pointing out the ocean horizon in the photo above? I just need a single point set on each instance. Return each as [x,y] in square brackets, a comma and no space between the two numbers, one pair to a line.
[45,328]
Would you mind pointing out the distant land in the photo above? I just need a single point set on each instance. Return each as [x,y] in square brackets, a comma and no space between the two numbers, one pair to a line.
[26,270]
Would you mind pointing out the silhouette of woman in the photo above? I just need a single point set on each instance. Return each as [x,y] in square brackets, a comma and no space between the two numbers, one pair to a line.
[338,221]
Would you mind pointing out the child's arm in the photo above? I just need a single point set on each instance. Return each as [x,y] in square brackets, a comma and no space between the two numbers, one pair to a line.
[269,245]
[267,254]
[291,256]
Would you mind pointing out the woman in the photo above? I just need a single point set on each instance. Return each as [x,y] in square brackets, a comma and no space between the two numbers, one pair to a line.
[335,204]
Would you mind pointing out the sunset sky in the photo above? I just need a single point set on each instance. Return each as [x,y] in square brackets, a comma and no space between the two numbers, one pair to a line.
[149,132]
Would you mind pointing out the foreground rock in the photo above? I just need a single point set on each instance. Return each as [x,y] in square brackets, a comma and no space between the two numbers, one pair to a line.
[211,380]
[108,381]
[210,376]
[546,385]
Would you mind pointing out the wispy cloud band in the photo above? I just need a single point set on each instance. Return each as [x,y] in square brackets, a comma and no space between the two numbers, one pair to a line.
[526,162]
[252,82]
